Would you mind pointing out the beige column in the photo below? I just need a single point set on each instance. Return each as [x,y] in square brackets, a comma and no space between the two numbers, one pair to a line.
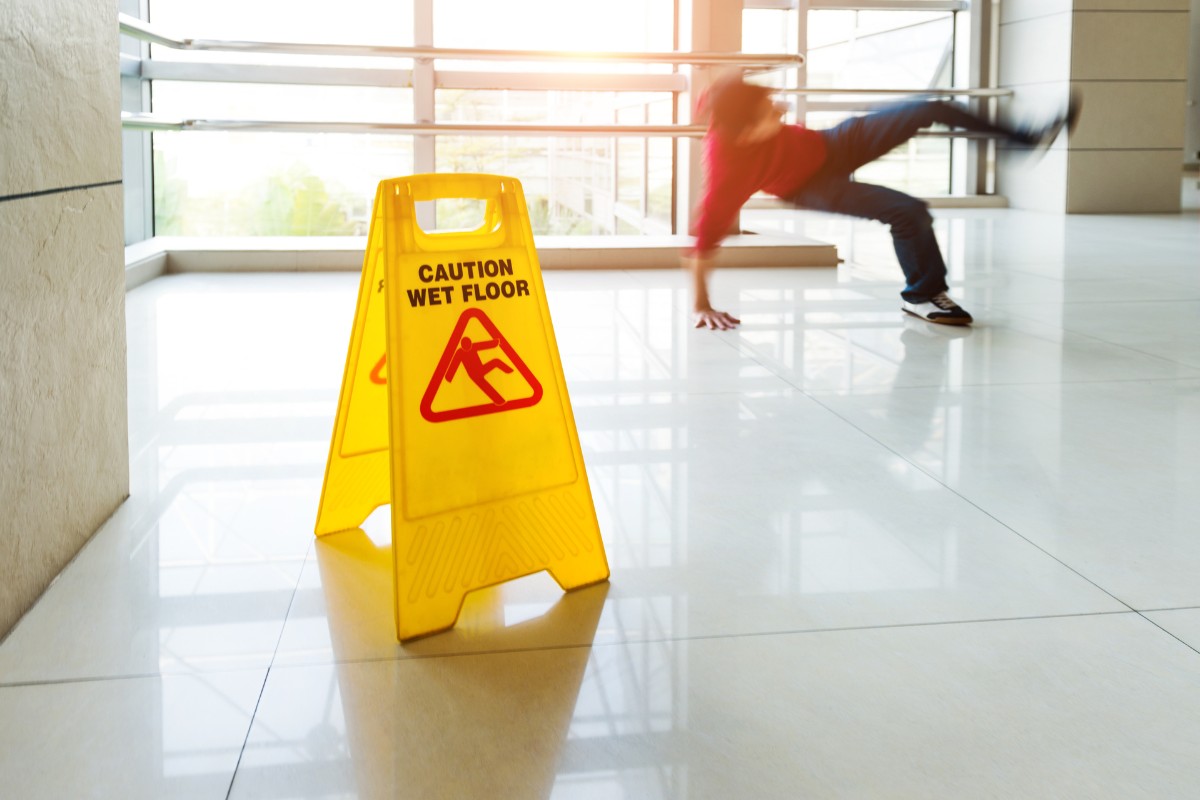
[708,26]
[64,461]
[1127,60]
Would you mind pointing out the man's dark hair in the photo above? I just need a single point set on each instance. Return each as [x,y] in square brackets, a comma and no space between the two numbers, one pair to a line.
[732,104]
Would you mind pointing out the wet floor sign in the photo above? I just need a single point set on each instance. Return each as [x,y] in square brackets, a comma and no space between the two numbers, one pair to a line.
[454,409]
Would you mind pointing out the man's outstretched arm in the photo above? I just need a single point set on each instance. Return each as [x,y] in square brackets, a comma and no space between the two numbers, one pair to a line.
[699,266]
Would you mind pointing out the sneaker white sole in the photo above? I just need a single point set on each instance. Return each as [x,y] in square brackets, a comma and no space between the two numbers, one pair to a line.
[940,321]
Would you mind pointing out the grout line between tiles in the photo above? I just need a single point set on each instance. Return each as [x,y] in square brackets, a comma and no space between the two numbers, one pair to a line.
[250,724]
[1194,649]
[1169,608]
[965,499]
[750,353]
[1006,304]
[267,675]
[702,638]
[902,625]
[878,390]
[633,642]
[133,676]
[1130,348]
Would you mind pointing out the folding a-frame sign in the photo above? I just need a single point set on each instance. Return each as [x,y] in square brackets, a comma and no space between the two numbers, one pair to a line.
[454,409]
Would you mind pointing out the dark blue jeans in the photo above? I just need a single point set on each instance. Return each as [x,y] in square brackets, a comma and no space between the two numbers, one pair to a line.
[859,141]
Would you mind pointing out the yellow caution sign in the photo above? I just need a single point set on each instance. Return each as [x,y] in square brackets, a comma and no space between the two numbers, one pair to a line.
[454,409]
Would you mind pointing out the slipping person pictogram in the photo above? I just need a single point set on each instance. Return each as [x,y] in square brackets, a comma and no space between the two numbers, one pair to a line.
[467,356]
[464,354]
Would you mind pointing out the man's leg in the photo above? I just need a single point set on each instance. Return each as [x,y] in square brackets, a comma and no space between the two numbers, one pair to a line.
[861,140]
[912,227]
[912,236]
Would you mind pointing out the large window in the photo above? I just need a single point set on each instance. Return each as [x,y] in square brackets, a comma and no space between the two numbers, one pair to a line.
[364,22]
[872,49]
[614,25]
[274,184]
[232,182]
[867,49]
[575,185]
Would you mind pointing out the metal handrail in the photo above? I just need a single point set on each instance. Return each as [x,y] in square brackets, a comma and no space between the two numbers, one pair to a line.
[150,122]
[950,92]
[138,29]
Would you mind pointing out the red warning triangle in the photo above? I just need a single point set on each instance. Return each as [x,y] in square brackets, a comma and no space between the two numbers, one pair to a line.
[462,359]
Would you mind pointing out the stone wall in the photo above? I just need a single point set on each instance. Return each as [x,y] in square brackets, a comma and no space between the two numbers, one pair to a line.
[63,443]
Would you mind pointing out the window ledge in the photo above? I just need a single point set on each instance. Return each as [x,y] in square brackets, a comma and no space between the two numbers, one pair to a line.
[164,255]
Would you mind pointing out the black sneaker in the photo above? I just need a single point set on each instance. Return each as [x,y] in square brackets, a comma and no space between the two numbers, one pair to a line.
[1039,140]
[940,309]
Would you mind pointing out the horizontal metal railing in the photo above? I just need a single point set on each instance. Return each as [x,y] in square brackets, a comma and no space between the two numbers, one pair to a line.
[151,122]
[343,76]
[950,92]
[131,26]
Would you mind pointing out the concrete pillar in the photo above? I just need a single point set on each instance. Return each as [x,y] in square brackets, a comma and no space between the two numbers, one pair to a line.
[708,27]
[1128,61]
[1192,143]
[64,454]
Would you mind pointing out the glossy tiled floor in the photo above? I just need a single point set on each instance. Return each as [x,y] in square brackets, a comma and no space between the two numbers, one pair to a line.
[853,555]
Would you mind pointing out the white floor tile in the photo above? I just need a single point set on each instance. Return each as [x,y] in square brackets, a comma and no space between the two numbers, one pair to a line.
[634,336]
[1016,290]
[122,608]
[139,738]
[1080,707]
[1102,476]
[1165,330]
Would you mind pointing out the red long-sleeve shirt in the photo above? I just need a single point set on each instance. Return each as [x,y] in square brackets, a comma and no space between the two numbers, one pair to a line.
[732,173]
